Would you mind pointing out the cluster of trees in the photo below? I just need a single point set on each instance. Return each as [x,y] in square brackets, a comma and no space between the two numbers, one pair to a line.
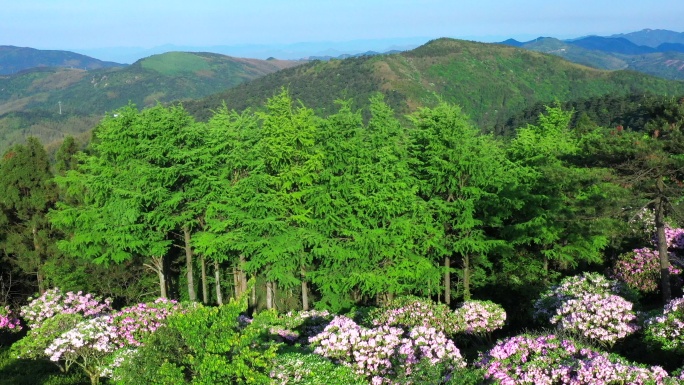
[356,207]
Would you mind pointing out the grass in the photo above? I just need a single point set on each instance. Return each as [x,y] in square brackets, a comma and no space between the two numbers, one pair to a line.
[176,63]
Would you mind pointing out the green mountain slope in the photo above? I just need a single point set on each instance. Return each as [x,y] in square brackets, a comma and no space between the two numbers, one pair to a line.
[489,81]
[17,59]
[39,101]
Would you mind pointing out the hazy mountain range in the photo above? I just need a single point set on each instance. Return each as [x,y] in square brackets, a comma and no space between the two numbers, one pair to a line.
[655,52]
[295,51]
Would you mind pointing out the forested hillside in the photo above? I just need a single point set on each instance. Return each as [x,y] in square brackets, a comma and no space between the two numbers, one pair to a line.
[490,82]
[431,252]
[50,103]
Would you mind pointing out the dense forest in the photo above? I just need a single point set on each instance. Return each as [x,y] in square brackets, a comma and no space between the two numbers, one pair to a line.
[284,245]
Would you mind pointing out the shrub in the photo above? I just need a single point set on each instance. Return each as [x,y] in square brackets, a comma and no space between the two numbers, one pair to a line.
[587,306]
[640,269]
[382,353]
[205,345]
[8,320]
[665,330]
[311,369]
[134,322]
[480,317]
[87,345]
[53,302]
[412,311]
[548,359]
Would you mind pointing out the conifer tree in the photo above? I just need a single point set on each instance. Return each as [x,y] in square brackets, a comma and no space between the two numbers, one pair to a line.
[467,184]
[27,193]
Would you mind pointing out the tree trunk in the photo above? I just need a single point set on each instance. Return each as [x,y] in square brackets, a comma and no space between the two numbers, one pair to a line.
[269,295]
[466,277]
[662,242]
[205,287]
[305,291]
[236,281]
[192,296]
[39,275]
[254,297]
[217,278]
[157,266]
[242,276]
[447,281]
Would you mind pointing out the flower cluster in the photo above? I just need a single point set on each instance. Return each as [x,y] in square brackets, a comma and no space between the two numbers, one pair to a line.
[413,311]
[379,353]
[674,238]
[551,360]
[8,320]
[640,269]
[86,339]
[480,317]
[53,302]
[572,287]
[667,330]
[134,322]
[588,306]
[601,317]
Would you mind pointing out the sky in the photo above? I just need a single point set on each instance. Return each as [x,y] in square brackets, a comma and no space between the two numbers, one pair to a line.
[92,24]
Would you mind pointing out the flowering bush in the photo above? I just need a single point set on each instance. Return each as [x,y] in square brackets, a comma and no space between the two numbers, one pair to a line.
[601,317]
[380,353]
[480,317]
[666,330]
[588,306]
[551,360]
[134,322]
[87,345]
[572,287]
[414,311]
[640,269]
[53,302]
[674,238]
[8,320]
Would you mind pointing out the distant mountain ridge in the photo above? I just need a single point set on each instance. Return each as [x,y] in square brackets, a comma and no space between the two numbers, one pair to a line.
[653,37]
[16,59]
[654,52]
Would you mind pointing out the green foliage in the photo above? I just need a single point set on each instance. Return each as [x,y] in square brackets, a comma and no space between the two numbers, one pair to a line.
[564,203]
[311,369]
[27,192]
[204,346]
[425,372]
[466,182]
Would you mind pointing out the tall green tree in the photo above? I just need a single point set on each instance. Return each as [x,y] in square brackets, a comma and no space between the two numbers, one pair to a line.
[27,193]
[372,222]
[228,158]
[131,188]
[468,185]
[567,207]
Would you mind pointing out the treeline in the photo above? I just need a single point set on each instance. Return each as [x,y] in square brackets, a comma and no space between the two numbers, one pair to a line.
[332,211]
[632,112]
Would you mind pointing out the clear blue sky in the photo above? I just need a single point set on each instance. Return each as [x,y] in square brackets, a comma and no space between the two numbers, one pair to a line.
[61,24]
